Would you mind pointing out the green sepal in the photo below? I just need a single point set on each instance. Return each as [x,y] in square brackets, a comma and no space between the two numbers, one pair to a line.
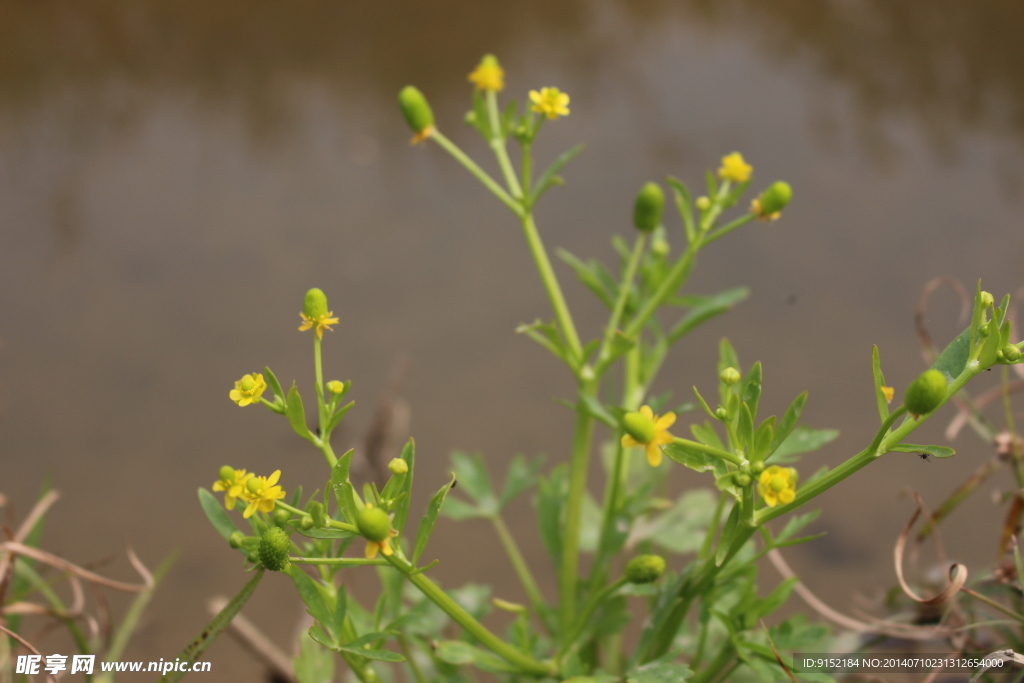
[934,451]
[879,378]
[427,522]
[217,515]
[297,416]
[550,176]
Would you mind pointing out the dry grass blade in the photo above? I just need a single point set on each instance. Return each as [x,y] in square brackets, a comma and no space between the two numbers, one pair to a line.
[27,645]
[957,572]
[964,415]
[958,496]
[60,563]
[778,657]
[37,512]
[928,349]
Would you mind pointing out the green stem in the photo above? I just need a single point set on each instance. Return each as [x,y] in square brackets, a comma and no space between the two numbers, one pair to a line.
[360,666]
[407,651]
[480,174]
[604,356]
[573,516]
[588,612]
[716,519]
[527,173]
[507,652]
[338,561]
[675,279]
[330,522]
[554,291]
[498,145]
[522,569]
[993,604]
[723,659]
[321,408]
[726,229]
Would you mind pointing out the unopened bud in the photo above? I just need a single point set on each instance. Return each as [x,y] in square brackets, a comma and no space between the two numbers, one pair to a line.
[398,466]
[729,376]
[416,110]
[649,205]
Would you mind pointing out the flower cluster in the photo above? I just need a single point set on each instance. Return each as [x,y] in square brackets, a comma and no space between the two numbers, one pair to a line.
[259,493]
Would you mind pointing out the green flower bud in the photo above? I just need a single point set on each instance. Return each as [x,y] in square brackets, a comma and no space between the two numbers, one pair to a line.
[925,393]
[306,523]
[742,479]
[398,466]
[236,539]
[274,548]
[729,376]
[649,205]
[281,517]
[254,485]
[645,569]
[316,511]
[703,203]
[335,387]
[315,304]
[987,299]
[1011,353]
[415,108]
[721,413]
[775,198]
[660,245]
[226,473]
[639,426]
[756,467]
[373,524]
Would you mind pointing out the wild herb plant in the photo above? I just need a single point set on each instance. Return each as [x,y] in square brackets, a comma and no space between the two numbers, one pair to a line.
[704,613]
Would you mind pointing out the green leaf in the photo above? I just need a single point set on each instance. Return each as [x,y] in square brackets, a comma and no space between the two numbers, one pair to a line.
[345,496]
[426,527]
[194,650]
[712,185]
[876,372]
[725,540]
[547,336]
[597,410]
[338,414]
[340,471]
[324,533]
[659,672]
[775,600]
[378,655]
[795,524]
[705,309]
[704,405]
[789,421]
[587,273]
[460,510]
[690,457]
[521,476]
[473,479]
[216,514]
[681,528]
[297,416]
[551,493]
[762,441]
[935,451]
[685,206]
[707,435]
[745,428]
[953,358]
[316,601]
[460,653]
[274,385]
[547,179]
[802,440]
[752,389]
[405,494]
[313,664]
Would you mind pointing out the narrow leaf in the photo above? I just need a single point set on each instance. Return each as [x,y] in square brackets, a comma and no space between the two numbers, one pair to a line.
[935,451]
[876,372]
[426,527]
[216,514]
[297,416]
[546,178]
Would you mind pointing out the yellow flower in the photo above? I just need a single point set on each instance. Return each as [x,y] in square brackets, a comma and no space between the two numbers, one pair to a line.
[383,547]
[232,482]
[248,390]
[551,102]
[777,485]
[735,168]
[262,494]
[320,322]
[488,75]
[648,430]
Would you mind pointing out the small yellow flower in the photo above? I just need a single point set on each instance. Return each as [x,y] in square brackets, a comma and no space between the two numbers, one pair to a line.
[320,323]
[888,393]
[648,430]
[735,168]
[232,482]
[551,102]
[248,390]
[383,547]
[488,75]
[777,485]
[261,493]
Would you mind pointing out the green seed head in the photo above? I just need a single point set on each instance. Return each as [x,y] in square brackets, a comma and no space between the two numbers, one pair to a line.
[645,569]
[226,473]
[415,108]
[925,393]
[315,303]
[649,205]
[274,549]
[776,197]
[373,524]
[639,426]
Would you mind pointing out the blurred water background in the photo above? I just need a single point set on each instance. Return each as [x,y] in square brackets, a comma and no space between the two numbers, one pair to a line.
[175,175]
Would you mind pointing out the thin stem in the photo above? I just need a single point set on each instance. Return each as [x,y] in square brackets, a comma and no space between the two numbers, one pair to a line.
[554,291]
[716,519]
[359,666]
[526,172]
[480,174]
[407,651]
[507,652]
[498,145]
[723,659]
[993,604]
[338,561]
[521,568]
[330,522]
[588,612]
[675,279]
[710,450]
[573,516]
[321,408]
[604,357]
[726,229]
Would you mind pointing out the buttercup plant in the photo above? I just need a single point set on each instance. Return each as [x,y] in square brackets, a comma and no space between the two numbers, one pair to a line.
[704,614]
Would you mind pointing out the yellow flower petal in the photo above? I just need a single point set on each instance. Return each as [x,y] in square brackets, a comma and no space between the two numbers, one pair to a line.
[653,454]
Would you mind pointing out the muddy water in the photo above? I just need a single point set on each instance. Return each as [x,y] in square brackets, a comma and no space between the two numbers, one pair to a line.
[173,176]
